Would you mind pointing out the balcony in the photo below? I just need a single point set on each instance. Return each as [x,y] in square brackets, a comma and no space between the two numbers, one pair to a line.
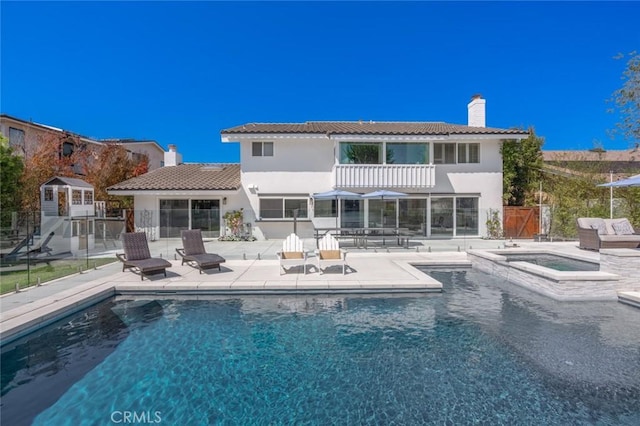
[384,176]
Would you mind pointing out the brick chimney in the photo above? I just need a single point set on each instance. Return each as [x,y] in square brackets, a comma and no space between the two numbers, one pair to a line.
[171,157]
[476,111]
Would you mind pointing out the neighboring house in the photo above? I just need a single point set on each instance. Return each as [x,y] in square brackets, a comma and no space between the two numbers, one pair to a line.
[622,163]
[25,136]
[183,196]
[452,174]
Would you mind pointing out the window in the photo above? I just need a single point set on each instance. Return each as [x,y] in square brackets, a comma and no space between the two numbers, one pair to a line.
[468,153]
[280,208]
[88,197]
[466,216]
[325,208]
[67,149]
[48,194]
[407,153]
[262,149]
[16,138]
[360,153]
[76,197]
[295,204]
[444,153]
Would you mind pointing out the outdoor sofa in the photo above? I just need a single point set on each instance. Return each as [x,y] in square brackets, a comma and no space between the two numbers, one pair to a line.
[596,233]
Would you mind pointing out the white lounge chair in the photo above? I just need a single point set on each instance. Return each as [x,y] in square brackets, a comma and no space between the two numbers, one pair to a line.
[329,253]
[292,254]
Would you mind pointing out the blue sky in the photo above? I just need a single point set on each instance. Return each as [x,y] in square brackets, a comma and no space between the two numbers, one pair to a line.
[181,72]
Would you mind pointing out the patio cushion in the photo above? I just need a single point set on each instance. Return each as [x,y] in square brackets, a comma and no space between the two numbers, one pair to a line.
[601,227]
[589,222]
[609,223]
[623,227]
[613,238]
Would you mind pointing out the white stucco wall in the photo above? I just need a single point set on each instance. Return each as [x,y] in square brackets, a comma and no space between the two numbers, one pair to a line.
[302,166]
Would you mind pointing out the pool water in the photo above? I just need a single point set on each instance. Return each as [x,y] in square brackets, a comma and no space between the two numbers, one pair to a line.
[481,352]
[559,263]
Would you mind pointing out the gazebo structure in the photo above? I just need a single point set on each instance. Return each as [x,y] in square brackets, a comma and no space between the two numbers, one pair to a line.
[67,209]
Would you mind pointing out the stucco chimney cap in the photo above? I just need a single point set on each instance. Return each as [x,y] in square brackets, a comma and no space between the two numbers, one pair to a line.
[476,96]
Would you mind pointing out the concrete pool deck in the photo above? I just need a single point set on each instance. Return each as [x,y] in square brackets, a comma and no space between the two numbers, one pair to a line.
[251,268]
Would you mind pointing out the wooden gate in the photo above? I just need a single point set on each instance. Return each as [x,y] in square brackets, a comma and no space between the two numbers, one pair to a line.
[521,222]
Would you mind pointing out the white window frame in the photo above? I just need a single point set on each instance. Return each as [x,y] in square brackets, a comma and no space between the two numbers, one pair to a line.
[76,197]
[467,154]
[283,199]
[264,150]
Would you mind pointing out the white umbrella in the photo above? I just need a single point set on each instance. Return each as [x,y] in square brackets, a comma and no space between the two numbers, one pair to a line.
[382,194]
[632,181]
[335,193]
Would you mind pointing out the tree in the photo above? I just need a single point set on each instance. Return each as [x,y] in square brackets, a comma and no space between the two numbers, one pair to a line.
[11,167]
[110,165]
[521,169]
[55,155]
[627,99]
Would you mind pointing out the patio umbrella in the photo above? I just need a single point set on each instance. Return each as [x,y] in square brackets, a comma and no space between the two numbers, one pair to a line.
[335,194]
[632,181]
[382,194]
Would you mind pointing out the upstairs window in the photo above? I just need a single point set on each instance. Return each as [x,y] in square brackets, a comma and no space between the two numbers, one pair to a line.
[262,149]
[361,153]
[407,153]
[88,197]
[444,153]
[468,153]
[16,138]
[76,197]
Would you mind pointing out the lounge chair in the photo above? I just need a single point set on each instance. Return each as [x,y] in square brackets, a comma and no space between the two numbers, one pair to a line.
[43,247]
[292,254]
[193,251]
[137,256]
[329,253]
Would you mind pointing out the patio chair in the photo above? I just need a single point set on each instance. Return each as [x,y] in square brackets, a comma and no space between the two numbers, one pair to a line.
[194,253]
[43,247]
[329,253]
[292,254]
[136,256]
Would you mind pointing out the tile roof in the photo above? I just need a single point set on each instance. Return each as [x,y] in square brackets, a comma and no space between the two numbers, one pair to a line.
[185,177]
[369,128]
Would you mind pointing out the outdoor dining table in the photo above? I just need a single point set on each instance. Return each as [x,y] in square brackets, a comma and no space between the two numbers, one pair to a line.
[362,235]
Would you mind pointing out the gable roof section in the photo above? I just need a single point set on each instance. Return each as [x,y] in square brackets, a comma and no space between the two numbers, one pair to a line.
[63,180]
[370,128]
[185,177]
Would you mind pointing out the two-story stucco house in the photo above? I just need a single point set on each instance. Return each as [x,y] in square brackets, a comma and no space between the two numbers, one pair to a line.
[451,175]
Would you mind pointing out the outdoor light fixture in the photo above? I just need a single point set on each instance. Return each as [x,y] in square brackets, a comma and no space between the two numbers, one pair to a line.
[224,201]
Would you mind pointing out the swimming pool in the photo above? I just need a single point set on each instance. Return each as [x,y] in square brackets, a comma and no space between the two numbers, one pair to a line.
[553,261]
[479,352]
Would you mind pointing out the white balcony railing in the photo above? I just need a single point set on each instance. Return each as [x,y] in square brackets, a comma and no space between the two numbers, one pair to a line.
[384,175]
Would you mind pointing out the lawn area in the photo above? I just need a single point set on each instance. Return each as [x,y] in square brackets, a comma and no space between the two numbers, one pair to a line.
[46,272]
